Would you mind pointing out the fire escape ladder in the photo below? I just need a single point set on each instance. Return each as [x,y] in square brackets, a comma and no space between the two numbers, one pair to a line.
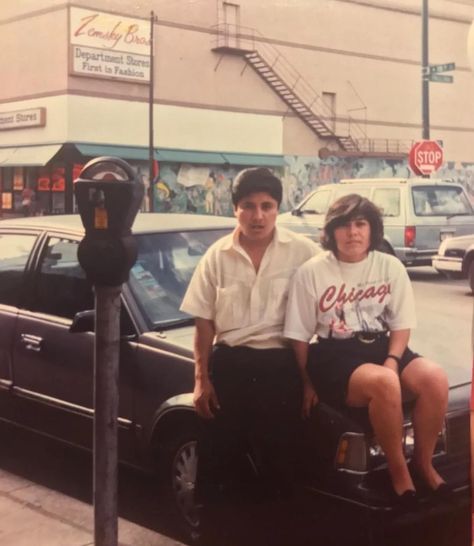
[284,79]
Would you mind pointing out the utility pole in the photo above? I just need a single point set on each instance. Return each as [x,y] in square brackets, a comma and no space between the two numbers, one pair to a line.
[151,151]
[425,72]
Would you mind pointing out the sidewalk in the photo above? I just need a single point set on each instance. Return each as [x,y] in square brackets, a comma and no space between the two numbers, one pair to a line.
[31,514]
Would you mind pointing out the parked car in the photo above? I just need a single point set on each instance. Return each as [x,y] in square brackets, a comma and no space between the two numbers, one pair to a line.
[46,367]
[417,213]
[456,257]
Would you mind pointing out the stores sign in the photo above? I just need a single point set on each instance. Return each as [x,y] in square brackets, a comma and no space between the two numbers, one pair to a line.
[19,119]
[104,45]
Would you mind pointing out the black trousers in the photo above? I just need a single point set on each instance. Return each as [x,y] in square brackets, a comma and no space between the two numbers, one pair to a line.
[247,452]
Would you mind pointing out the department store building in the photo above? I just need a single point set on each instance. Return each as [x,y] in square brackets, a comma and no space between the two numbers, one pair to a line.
[316,90]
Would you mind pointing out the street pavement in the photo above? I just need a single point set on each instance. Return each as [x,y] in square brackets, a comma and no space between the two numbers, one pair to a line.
[33,515]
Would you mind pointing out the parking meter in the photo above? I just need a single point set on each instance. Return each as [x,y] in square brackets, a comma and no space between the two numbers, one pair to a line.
[108,195]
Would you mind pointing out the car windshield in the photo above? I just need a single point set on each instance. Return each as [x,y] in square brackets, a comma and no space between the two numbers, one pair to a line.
[161,274]
[440,201]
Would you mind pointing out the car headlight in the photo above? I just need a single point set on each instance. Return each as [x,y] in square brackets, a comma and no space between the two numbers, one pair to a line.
[356,453]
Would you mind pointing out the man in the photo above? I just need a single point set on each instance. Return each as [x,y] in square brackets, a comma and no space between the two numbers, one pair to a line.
[246,381]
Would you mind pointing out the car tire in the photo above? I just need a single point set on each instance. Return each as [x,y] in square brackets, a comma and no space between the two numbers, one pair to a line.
[470,275]
[178,473]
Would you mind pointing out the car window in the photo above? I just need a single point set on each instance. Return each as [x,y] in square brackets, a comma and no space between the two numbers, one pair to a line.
[388,200]
[318,203]
[440,201]
[161,274]
[62,288]
[14,252]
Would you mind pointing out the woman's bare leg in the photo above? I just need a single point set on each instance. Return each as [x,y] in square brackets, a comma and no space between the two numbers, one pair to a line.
[379,389]
[428,382]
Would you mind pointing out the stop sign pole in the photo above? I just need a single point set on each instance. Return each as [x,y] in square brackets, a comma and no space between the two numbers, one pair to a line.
[425,157]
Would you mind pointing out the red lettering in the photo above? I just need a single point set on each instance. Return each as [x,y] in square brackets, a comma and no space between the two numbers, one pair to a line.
[329,298]
[328,294]
[87,21]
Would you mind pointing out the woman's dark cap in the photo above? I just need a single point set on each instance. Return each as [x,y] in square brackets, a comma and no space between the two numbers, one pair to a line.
[256,179]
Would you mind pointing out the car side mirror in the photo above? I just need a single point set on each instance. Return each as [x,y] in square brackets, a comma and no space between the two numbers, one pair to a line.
[84,321]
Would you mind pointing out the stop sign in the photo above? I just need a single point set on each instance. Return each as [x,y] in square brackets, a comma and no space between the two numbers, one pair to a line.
[426,156]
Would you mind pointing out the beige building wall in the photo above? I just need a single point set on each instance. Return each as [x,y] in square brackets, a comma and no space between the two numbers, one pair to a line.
[366,52]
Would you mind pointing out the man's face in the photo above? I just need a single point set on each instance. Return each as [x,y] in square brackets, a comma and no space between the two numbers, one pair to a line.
[256,214]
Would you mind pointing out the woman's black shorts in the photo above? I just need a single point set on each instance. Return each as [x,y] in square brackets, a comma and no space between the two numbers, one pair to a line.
[332,361]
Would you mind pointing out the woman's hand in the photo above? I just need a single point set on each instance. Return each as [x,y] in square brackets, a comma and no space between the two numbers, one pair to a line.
[205,398]
[310,399]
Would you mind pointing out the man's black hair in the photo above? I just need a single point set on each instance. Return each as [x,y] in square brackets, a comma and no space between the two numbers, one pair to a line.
[256,179]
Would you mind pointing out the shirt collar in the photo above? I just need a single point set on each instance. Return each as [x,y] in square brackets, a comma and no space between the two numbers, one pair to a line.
[280,236]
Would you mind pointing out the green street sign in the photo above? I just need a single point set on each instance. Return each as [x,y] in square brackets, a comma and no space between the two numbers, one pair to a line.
[435,68]
[441,78]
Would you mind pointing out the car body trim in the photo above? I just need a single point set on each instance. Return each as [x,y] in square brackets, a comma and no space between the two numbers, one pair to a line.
[25,393]
[6,384]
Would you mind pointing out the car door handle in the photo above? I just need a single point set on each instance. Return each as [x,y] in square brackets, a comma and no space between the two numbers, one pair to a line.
[31,342]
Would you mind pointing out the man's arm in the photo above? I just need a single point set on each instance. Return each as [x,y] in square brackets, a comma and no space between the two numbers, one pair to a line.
[205,398]
[310,398]
[396,346]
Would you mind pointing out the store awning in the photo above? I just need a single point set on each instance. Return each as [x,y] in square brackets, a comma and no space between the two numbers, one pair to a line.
[186,156]
[124,152]
[253,159]
[28,156]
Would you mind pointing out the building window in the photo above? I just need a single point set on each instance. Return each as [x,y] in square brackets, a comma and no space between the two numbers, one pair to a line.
[329,105]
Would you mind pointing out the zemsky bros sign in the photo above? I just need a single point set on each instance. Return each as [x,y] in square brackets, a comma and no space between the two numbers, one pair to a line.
[105,45]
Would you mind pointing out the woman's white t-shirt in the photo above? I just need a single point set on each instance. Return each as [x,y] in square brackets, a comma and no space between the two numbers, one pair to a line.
[335,299]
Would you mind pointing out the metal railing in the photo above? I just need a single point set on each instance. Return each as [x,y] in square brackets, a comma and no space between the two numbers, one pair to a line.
[384,145]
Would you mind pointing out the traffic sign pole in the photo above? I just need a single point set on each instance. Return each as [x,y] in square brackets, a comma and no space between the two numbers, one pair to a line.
[425,90]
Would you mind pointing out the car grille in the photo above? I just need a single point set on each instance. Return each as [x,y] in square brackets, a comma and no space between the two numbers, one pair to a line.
[457,432]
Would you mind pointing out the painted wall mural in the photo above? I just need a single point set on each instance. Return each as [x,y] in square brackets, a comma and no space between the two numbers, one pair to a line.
[205,189]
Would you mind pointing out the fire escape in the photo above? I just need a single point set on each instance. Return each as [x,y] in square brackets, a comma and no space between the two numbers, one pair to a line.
[271,65]
[284,79]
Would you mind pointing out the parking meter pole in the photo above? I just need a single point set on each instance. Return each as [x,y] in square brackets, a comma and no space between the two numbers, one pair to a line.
[108,195]
[106,402]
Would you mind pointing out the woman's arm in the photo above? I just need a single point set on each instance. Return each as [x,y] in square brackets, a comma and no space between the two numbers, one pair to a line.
[310,398]
[397,344]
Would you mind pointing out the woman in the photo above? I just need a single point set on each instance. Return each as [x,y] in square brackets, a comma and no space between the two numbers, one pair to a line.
[360,304]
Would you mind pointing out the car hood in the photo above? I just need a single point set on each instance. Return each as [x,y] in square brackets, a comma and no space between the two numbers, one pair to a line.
[175,340]
[181,341]
[462,242]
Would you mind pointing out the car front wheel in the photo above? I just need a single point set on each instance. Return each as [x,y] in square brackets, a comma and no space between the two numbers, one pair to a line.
[180,477]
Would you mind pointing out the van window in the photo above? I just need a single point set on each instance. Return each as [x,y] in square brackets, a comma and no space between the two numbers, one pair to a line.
[318,203]
[388,201]
[440,201]
[348,189]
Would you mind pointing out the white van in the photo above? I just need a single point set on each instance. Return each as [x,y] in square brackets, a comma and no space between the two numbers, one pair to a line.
[418,213]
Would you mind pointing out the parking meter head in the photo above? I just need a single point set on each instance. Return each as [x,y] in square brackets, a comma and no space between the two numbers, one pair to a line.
[108,195]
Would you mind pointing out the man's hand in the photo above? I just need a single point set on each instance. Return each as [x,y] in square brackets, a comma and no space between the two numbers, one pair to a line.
[310,399]
[205,398]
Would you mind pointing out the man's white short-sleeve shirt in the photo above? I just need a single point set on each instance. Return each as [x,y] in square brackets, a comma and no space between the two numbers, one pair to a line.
[247,307]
